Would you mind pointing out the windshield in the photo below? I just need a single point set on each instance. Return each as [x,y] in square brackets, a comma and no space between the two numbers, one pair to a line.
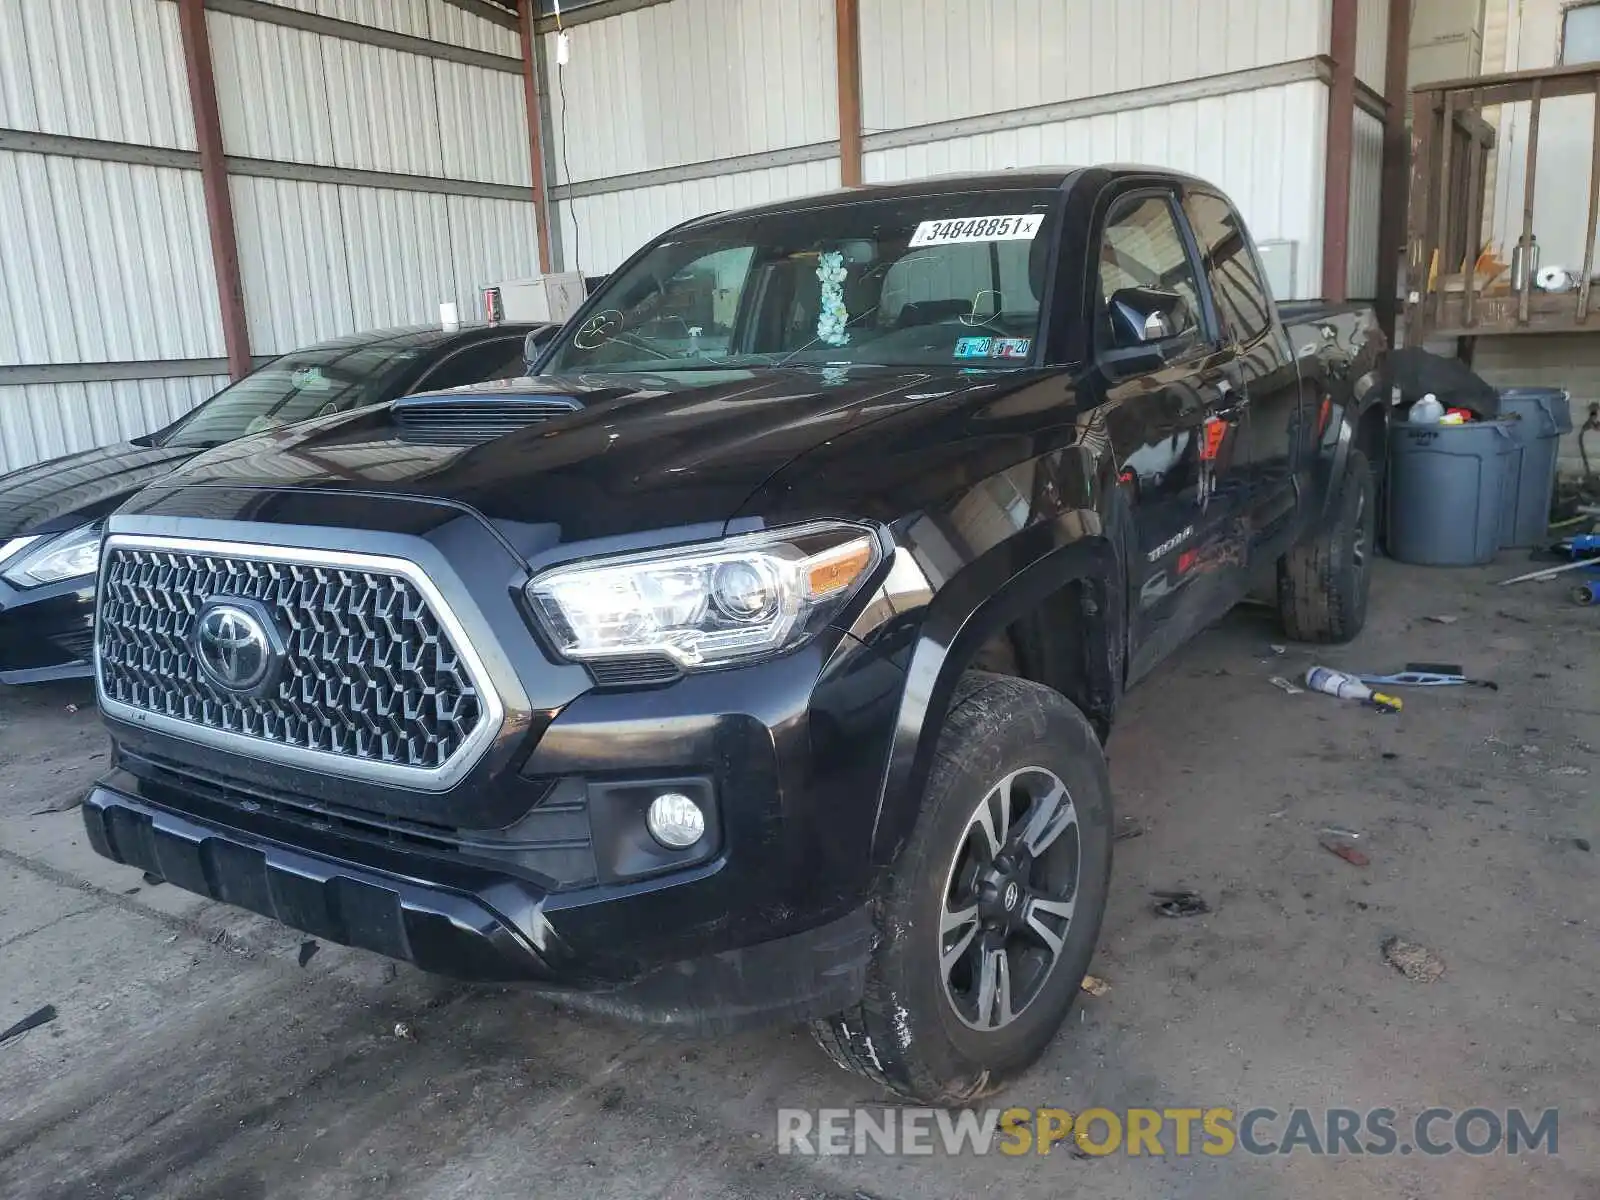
[952,280]
[296,387]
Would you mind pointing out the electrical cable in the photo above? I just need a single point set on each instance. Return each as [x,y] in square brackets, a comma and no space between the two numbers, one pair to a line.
[566,162]
[566,170]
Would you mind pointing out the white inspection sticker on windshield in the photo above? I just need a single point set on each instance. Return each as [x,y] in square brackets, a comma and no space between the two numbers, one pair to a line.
[1019,228]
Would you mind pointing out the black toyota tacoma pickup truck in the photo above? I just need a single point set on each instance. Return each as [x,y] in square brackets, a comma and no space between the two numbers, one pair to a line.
[753,659]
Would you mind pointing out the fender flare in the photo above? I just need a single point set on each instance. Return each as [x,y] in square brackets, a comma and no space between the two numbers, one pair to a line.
[1344,432]
[990,595]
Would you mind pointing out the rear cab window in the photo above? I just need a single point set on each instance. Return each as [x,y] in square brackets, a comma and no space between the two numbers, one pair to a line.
[1238,286]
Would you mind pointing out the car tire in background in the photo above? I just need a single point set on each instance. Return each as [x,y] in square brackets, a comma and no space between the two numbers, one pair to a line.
[1324,581]
[989,918]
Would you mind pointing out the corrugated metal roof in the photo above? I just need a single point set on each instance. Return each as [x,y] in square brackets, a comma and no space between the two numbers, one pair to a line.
[599,232]
[111,70]
[103,262]
[1265,148]
[42,421]
[936,60]
[639,96]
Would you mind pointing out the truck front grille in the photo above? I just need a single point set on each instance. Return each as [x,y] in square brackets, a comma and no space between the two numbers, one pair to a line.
[376,678]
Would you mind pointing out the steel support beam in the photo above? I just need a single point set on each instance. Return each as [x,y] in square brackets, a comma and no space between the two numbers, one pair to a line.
[1396,184]
[847,37]
[595,12]
[1341,143]
[118,372]
[530,93]
[486,11]
[370,35]
[214,184]
[27,142]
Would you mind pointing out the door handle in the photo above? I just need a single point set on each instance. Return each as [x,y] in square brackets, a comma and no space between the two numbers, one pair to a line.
[1230,412]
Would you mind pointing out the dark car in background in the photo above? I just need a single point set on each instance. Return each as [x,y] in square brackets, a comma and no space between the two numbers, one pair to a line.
[51,512]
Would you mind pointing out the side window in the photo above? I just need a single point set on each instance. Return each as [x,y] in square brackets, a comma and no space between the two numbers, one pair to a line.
[500,358]
[1243,302]
[1149,301]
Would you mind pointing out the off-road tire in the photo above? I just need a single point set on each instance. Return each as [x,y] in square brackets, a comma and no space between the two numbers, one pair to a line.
[905,1034]
[1323,582]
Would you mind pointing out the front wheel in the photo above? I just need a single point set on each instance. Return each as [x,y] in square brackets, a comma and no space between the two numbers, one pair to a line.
[990,916]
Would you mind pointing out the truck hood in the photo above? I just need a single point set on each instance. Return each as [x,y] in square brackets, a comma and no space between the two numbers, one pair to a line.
[64,493]
[643,452]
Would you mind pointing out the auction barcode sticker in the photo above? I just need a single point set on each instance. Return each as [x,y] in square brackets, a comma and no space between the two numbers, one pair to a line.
[1020,227]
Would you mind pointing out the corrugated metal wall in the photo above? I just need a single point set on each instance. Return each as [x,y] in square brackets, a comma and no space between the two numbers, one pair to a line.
[111,69]
[104,261]
[320,259]
[691,82]
[426,19]
[99,261]
[41,421]
[598,232]
[637,95]
[683,84]
[1366,197]
[1265,148]
[923,62]
[1372,42]
[294,96]
[936,60]
[323,259]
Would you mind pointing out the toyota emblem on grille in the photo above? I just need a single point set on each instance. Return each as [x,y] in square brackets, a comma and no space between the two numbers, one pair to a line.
[235,646]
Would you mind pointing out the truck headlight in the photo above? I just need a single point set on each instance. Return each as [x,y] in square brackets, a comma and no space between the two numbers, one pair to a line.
[52,560]
[706,605]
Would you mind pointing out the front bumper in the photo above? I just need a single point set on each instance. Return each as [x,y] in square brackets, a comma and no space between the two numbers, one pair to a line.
[477,925]
[536,866]
[47,632]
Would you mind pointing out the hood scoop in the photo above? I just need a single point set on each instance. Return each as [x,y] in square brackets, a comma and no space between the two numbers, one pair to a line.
[445,419]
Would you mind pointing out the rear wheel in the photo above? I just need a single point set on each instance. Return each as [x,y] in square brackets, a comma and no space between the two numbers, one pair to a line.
[989,919]
[1324,581]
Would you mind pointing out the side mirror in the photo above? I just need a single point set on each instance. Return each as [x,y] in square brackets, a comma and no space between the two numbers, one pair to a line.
[1143,317]
[533,345]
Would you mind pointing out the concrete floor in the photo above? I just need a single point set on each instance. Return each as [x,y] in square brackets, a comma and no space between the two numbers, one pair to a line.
[194,1058]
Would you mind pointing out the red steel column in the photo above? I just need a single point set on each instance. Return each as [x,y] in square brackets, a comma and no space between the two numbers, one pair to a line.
[214,183]
[1396,165]
[530,91]
[847,29]
[1341,136]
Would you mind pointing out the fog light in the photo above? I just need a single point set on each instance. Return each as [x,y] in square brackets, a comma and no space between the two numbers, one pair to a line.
[675,821]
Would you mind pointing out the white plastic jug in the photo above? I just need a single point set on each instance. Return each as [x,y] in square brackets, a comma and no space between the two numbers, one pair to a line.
[1427,411]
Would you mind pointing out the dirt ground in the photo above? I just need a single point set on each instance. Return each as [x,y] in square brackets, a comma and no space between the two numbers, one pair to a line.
[194,1057]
